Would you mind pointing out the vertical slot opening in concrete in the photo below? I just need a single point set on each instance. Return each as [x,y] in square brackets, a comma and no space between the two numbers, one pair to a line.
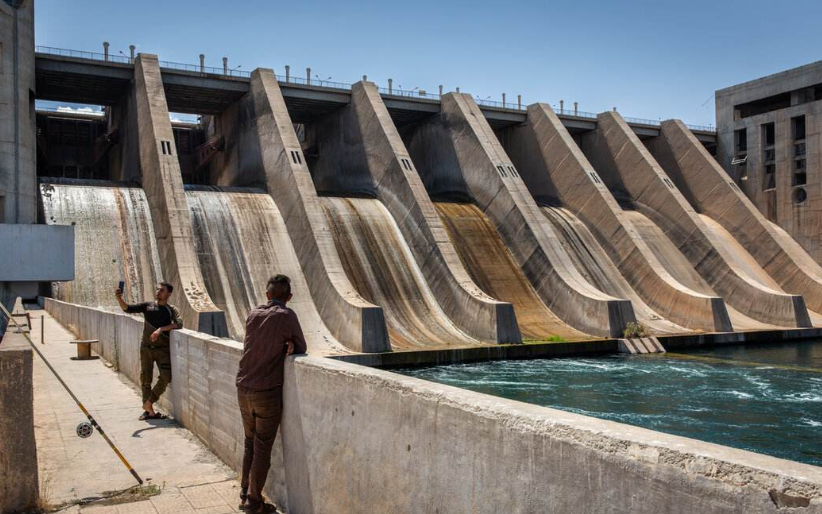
[769,177]
[798,128]
[768,134]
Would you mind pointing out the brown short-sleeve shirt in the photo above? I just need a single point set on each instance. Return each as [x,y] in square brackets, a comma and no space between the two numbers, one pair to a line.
[267,329]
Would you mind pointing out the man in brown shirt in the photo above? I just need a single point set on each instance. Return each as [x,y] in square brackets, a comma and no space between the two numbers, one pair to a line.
[272,332]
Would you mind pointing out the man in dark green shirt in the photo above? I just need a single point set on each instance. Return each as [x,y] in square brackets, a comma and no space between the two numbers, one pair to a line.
[160,319]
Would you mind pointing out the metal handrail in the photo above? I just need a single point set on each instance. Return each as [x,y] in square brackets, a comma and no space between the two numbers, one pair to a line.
[415,93]
[79,54]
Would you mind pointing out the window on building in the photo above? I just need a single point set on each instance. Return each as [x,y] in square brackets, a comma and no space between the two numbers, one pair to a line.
[768,134]
[769,177]
[741,140]
[798,128]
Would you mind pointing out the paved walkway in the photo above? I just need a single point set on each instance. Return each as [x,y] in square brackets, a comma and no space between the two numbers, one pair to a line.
[191,479]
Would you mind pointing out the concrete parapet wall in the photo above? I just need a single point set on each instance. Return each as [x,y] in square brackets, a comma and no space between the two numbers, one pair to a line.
[356,439]
[401,190]
[627,167]
[19,483]
[163,186]
[458,153]
[553,166]
[714,193]
[356,323]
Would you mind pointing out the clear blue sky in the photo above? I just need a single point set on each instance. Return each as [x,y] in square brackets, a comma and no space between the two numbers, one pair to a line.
[650,59]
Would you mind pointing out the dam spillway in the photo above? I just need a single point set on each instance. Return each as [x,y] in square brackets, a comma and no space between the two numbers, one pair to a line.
[379,264]
[114,240]
[241,241]
[389,269]
[495,271]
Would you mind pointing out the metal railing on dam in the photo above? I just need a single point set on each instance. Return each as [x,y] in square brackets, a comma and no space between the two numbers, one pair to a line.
[414,94]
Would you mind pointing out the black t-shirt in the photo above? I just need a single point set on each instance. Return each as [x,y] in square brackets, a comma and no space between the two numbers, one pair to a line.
[156,316]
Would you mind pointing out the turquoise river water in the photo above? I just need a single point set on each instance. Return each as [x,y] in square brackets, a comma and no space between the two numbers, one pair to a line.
[762,398]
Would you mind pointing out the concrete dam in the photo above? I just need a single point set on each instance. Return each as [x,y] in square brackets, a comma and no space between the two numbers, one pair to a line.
[488,290]
[406,230]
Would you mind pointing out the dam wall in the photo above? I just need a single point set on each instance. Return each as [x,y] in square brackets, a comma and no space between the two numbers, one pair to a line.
[114,240]
[356,439]
[163,186]
[241,240]
[555,170]
[630,171]
[360,153]
[274,153]
[459,158]
[713,193]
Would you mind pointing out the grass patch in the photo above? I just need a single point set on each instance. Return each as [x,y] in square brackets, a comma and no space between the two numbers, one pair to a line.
[552,339]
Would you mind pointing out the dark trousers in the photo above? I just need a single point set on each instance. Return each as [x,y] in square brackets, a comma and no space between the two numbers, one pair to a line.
[261,412]
[148,356]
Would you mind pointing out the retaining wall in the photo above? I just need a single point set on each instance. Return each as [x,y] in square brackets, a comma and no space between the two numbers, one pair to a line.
[357,439]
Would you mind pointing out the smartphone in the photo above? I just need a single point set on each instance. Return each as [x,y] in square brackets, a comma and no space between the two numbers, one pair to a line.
[121,286]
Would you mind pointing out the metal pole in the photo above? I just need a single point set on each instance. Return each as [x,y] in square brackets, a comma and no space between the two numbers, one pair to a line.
[225,65]
[131,49]
[458,89]
[503,100]
[365,78]
[76,400]
[561,106]
[287,72]
[202,63]
[105,50]
[308,76]
[440,89]
[519,102]
[576,104]
[390,82]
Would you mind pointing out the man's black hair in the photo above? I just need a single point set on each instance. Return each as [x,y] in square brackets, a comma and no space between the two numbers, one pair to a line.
[279,286]
[169,287]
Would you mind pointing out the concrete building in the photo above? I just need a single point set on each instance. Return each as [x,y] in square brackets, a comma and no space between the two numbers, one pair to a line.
[768,140]
[30,253]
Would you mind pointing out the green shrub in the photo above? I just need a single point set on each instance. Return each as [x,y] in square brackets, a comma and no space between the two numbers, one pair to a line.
[633,330]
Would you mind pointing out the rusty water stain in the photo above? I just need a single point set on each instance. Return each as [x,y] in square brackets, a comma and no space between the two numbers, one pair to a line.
[379,264]
[493,268]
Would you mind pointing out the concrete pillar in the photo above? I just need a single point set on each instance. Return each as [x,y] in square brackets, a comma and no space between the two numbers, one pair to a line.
[308,76]
[225,65]
[202,63]
[105,50]
[615,109]
[519,102]
[390,82]
[365,78]
[562,106]
[356,323]
[440,89]
[19,479]
[503,100]
[401,189]
[458,89]
[131,49]
[624,162]
[287,72]
[552,165]
[18,175]
[713,193]
[163,186]
[576,104]
[461,152]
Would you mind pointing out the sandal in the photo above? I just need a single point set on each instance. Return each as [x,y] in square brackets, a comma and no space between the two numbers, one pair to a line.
[157,415]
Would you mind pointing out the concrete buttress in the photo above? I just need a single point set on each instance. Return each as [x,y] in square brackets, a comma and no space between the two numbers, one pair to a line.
[458,154]
[628,169]
[713,193]
[399,187]
[356,323]
[553,166]
[163,185]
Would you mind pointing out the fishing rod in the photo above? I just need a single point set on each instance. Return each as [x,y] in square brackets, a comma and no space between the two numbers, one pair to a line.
[83,429]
